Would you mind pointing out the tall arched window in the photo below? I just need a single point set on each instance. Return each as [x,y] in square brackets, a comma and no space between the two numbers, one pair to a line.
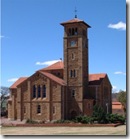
[76,31]
[44,91]
[71,73]
[73,31]
[69,31]
[34,91]
[74,73]
[39,91]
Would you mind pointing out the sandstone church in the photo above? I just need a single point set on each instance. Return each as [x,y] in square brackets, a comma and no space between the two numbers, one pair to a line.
[64,89]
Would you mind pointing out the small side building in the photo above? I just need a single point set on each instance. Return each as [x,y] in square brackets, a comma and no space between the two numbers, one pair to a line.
[117,108]
[100,90]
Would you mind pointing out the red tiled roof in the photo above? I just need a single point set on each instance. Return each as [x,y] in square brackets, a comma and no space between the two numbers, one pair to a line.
[96,79]
[55,66]
[54,78]
[20,80]
[116,105]
[75,20]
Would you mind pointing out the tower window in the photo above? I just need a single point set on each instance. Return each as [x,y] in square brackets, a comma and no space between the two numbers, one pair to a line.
[76,31]
[44,91]
[38,109]
[69,31]
[73,93]
[72,31]
[73,56]
[34,91]
[39,91]
[72,73]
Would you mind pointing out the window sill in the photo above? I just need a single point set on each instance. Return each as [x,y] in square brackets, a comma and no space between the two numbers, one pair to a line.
[39,114]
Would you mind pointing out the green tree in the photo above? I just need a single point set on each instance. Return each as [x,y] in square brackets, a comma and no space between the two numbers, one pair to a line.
[122,98]
[99,114]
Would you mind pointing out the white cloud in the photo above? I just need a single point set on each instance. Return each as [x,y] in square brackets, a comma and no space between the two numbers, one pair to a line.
[120,72]
[114,89]
[12,79]
[120,26]
[47,63]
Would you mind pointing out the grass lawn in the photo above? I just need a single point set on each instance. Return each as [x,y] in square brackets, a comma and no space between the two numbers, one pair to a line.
[120,130]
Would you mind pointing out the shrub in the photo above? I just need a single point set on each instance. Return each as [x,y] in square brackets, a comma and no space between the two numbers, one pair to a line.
[78,119]
[29,121]
[99,114]
[83,119]
[63,121]
[115,118]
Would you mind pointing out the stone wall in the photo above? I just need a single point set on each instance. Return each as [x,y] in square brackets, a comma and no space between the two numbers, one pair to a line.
[88,106]
[50,106]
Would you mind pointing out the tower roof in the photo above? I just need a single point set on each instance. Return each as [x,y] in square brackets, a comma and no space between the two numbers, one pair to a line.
[75,20]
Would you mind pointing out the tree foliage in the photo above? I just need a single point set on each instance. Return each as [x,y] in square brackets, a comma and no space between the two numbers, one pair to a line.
[99,114]
[4,92]
[122,98]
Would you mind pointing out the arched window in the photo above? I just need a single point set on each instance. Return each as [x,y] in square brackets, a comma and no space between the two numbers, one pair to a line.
[69,31]
[74,73]
[38,108]
[71,73]
[76,31]
[73,31]
[34,91]
[39,91]
[44,91]
[73,93]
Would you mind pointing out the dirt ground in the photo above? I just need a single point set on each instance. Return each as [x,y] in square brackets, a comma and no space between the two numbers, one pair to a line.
[120,130]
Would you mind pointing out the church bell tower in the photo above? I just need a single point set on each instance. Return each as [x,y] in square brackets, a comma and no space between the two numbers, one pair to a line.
[75,64]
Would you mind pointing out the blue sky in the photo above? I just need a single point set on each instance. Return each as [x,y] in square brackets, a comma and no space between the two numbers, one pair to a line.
[32,36]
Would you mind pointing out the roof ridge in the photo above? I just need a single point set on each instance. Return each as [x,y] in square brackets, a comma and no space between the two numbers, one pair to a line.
[16,83]
[56,65]
[97,73]
[53,77]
